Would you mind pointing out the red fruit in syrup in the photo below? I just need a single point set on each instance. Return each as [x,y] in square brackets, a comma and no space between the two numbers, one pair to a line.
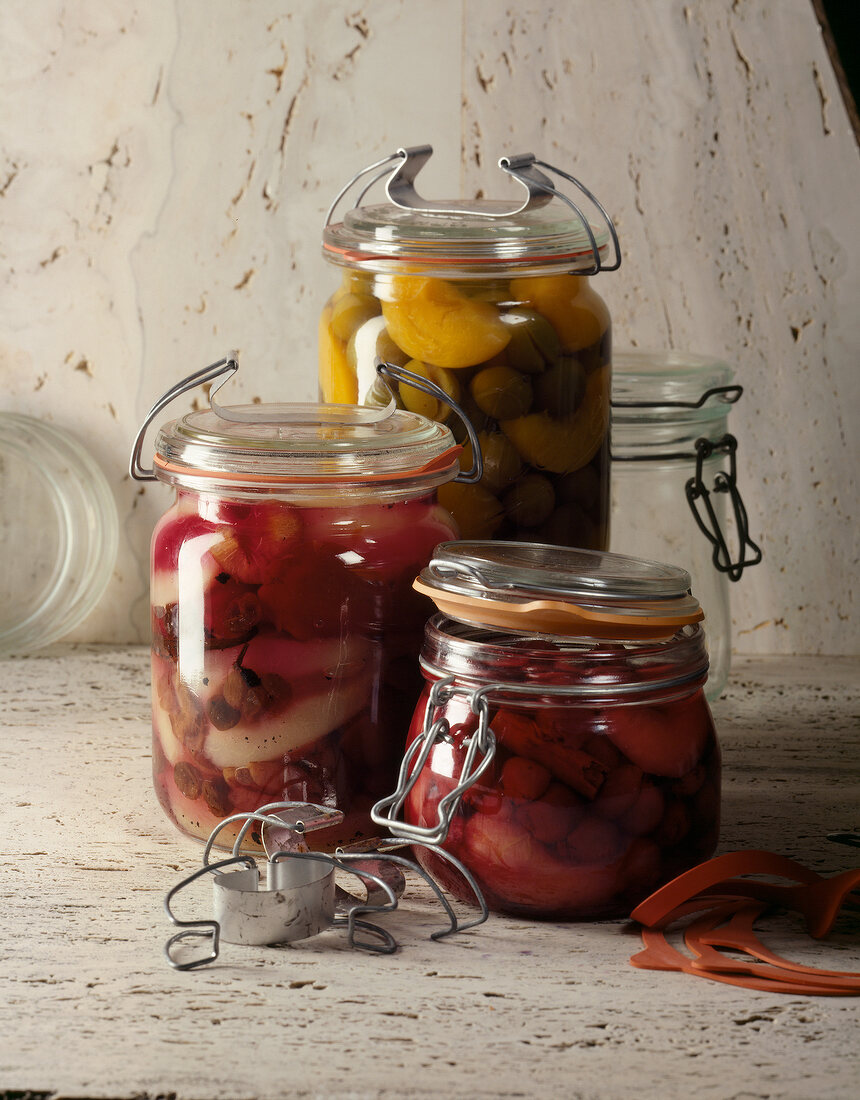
[660,741]
[524,779]
[255,550]
[645,813]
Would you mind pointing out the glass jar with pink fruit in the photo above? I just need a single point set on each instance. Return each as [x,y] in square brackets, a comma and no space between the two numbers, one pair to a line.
[563,749]
[285,629]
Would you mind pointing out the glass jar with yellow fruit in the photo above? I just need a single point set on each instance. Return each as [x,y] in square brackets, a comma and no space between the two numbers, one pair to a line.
[493,302]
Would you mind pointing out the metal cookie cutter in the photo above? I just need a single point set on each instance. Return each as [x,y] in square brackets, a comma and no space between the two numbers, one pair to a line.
[298,896]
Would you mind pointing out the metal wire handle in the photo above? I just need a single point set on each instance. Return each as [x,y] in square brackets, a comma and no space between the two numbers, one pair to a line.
[709,524]
[224,369]
[525,168]
[386,812]
[401,374]
[728,394]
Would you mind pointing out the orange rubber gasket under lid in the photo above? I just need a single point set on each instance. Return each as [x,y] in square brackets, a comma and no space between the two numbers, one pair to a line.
[635,620]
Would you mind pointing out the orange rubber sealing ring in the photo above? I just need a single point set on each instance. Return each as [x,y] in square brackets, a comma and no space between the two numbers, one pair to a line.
[707,933]
[356,256]
[729,908]
[659,954]
[562,617]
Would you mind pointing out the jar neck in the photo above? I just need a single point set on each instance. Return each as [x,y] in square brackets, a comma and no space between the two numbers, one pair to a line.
[454,270]
[545,670]
[642,436]
[314,494]
[206,498]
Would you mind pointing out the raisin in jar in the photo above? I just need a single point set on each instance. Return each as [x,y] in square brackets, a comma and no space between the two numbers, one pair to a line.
[284,624]
[494,303]
[601,768]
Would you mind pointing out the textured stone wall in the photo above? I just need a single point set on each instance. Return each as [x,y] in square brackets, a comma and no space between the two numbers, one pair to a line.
[165,169]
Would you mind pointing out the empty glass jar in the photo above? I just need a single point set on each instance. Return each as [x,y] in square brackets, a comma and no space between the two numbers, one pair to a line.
[674,480]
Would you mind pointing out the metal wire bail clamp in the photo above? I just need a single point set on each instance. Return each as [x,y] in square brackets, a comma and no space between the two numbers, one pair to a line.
[297,414]
[525,168]
[709,524]
[401,374]
[387,810]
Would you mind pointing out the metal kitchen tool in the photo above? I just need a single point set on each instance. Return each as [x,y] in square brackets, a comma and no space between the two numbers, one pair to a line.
[299,897]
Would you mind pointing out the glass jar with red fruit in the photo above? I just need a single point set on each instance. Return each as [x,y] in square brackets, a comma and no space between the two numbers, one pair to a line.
[494,302]
[564,696]
[285,629]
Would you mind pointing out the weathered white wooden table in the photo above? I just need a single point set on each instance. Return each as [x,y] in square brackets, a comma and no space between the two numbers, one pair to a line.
[89,1008]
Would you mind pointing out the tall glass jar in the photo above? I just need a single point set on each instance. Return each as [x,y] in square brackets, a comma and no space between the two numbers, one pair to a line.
[564,698]
[284,625]
[495,305]
[670,428]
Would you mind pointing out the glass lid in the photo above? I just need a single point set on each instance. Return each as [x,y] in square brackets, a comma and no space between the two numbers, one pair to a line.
[59,532]
[529,586]
[477,234]
[304,443]
[545,229]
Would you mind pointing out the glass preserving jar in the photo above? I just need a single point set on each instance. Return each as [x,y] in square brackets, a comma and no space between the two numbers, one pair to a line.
[494,303]
[564,700]
[59,532]
[670,443]
[284,624]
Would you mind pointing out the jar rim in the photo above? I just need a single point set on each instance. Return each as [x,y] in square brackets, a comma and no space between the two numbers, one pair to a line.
[547,237]
[651,385]
[596,670]
[282,445]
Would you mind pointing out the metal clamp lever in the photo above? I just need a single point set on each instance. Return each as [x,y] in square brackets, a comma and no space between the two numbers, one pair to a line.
[386,812]
[225,367]
[525,168]
[709,525]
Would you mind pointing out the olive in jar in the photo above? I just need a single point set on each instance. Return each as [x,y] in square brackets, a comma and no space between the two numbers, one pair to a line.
[528,359]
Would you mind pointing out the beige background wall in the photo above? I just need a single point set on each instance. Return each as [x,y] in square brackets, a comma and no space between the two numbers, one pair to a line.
[165,168]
